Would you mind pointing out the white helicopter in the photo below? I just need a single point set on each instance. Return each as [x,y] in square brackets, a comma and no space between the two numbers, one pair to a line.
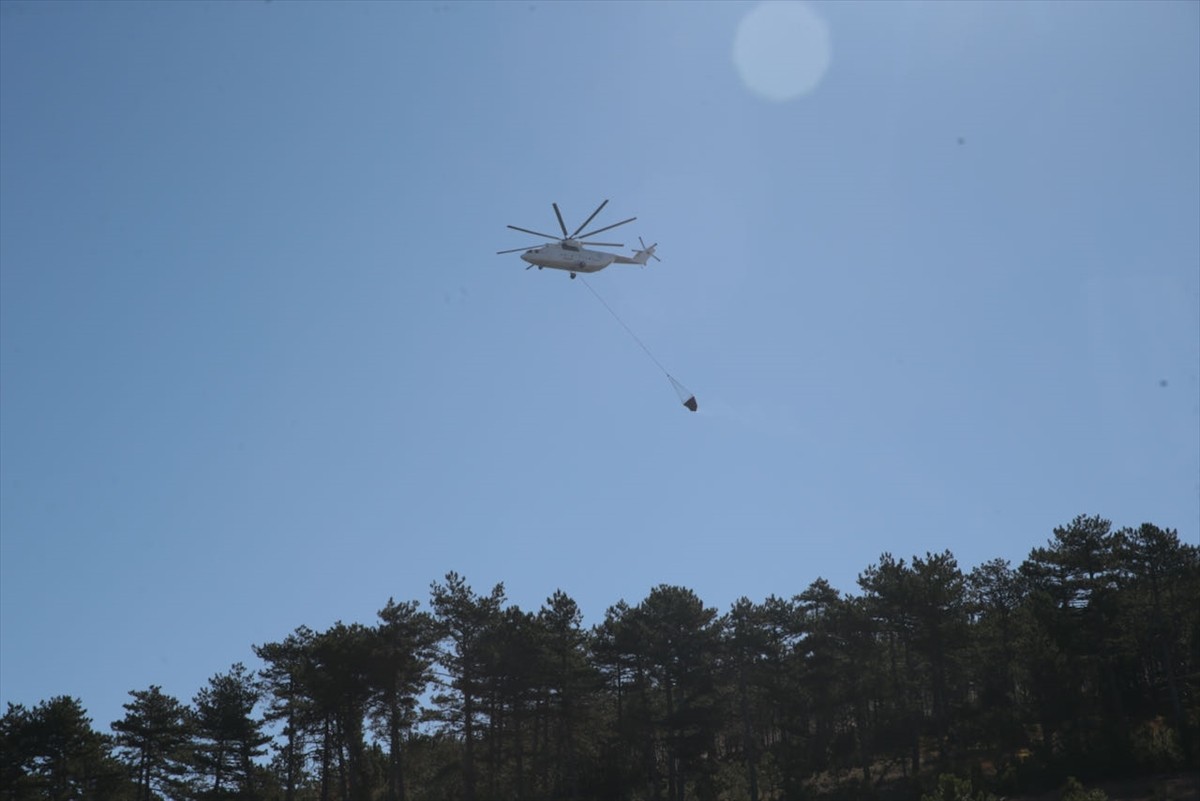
[569,253]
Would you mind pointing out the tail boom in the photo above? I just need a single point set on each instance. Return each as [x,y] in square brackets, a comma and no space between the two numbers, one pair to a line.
[640,257]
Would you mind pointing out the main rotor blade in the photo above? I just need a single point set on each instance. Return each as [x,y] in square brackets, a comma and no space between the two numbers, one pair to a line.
[588,220]
[558,214]
[535,233]
[605,228]
[514,250]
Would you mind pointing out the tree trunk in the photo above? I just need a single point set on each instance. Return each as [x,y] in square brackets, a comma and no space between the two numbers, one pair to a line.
[395,758]
[519,747]
[468,744]
[749,747]
[672,777]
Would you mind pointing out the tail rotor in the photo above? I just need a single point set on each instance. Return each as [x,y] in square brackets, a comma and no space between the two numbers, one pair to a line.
[647,251]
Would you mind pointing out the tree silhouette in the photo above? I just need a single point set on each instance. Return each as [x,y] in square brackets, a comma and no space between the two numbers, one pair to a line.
[1084,660]
[228,738]
[467,620]
[286,668]
[52,752]
[401,669]
[155,737]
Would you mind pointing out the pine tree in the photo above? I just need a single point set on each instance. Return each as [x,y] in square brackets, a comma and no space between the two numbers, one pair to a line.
[1160,617]
[681,649]
[570,683]
[996,593]
[467,620]
[744,645]
[339,689]
[401,670]
[889,598]
[228,738]
[286,668]
[51,752]
[628,758]
[1070,647]
[155,737]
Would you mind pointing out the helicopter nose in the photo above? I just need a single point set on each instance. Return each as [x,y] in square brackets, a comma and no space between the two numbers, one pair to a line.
[527,256]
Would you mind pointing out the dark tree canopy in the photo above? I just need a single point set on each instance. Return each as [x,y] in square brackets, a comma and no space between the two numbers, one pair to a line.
[155,738]
[1084,660]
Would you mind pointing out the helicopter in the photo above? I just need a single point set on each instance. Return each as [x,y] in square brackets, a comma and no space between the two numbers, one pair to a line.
[569,252]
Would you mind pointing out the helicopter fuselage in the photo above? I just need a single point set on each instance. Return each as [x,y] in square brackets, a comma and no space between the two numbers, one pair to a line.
[569,253]
[568,256]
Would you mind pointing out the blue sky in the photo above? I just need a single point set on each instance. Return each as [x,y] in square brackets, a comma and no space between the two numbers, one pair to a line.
[260,367]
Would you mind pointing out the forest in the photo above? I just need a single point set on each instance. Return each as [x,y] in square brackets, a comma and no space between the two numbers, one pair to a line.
[1080,664]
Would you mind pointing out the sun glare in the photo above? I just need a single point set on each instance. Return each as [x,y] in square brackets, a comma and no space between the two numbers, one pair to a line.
[782,50]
